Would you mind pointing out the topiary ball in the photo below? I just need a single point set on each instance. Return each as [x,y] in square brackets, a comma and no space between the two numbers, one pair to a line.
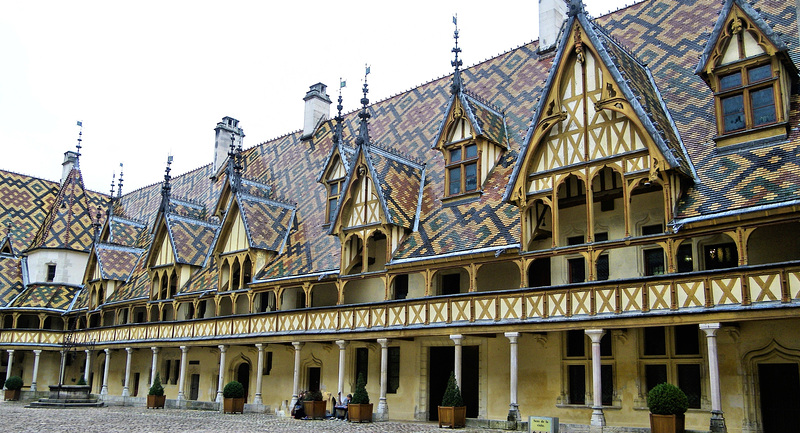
[14,383]
[233,389]
[667,399]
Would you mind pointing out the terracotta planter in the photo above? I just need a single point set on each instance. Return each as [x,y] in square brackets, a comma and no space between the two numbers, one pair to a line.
[156,401]
[667,423]
[233,405]
[359,412]
[453,417]
[12,395]
[315,409]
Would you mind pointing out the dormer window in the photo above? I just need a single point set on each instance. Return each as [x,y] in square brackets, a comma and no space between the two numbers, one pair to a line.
[746,98]
[462,169]
[334,192]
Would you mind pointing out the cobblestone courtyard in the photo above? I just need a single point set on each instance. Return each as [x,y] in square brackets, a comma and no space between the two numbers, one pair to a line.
[18,418]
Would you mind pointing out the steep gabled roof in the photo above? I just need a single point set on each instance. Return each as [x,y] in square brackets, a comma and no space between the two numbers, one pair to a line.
[191,238]
[719,30]
[485,120]
[117,262]
[400,182]
[69,223]
[136,288]
[126,232]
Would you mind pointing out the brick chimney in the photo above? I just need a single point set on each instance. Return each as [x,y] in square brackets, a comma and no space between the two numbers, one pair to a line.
[222,142]
[318,107]
[551,17]
[70,161]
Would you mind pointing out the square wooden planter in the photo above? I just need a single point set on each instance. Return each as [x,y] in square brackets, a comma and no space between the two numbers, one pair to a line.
[12,395]
[233,405]
[315,409]
[667,423]
[453,417]
[156,401]
[359,412]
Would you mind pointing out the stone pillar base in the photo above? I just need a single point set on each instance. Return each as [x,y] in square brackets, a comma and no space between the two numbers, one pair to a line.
[382,414]
[718,422]
[598,419]
[513,413]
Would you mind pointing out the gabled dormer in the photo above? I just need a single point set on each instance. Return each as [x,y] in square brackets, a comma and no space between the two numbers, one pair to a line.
[6,246]
[472,138]
[109,267]
[379,203]
[601,135]
[748,68]
[254,229]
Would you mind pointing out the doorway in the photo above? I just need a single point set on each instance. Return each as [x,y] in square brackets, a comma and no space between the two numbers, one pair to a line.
[779,386]
[314,378]
[243,377]
[441,364]
[136,377]
[194,386]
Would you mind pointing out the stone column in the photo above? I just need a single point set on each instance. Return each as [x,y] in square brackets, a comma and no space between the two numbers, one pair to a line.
[36,354]
[342,345]
[126,389]
[717,417]
[182,375]
[513,407]
[457,357]
[154,365]
[598,419]
[259,373]
[10,363]
[87,370]
[221,380]
[296,383]
[383,408]
[104,389]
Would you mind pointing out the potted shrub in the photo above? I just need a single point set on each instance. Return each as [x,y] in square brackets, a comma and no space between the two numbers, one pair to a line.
[234,397]
[452,412]
[314,405]
[13,387]
[667,404]
[156,397]
[360,409]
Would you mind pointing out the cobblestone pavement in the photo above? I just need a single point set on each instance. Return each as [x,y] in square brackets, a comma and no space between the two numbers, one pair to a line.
[17,418]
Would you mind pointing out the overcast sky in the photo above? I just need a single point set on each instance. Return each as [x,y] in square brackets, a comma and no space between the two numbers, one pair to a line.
[152,78]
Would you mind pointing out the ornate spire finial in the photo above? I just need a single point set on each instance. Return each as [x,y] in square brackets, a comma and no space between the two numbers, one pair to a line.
[363,130]
[234,169]
[165,188]
[337,128]
[111,195]
[78,146]
[576,7]
[96,225]
[119,191]
[456,63]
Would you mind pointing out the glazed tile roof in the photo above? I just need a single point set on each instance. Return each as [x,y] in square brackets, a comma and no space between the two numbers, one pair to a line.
[201,281]
[116,262]
[398,181]
[138,287]
[69,222]
[46,296]
[191,238]
[123,231]
[267,222]
[11,283]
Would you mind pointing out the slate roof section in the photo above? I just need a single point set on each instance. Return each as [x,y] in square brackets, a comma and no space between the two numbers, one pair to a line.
[267,222]
[400,183]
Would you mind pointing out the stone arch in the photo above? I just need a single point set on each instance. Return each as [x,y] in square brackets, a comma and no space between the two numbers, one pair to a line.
[225,306]
[241,370]
[760,244]
[772,352]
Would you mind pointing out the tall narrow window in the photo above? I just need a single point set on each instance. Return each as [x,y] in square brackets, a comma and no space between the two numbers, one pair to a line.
[51,272]
[462,169]
[654,261]
[393,373]
[334,191]
[747,98]
[362,363]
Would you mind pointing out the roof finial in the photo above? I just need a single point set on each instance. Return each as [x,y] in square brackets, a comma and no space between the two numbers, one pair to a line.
[111,195]
[119,191]
[576,7]
[234,169]
[96,225]
[165,189]
[455,88]
[78,146]
[363,130]
[337,129]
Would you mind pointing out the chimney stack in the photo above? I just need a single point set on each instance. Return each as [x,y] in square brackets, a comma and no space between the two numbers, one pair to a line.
[222,142]
[70,161]
[318,107]
[551,17]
